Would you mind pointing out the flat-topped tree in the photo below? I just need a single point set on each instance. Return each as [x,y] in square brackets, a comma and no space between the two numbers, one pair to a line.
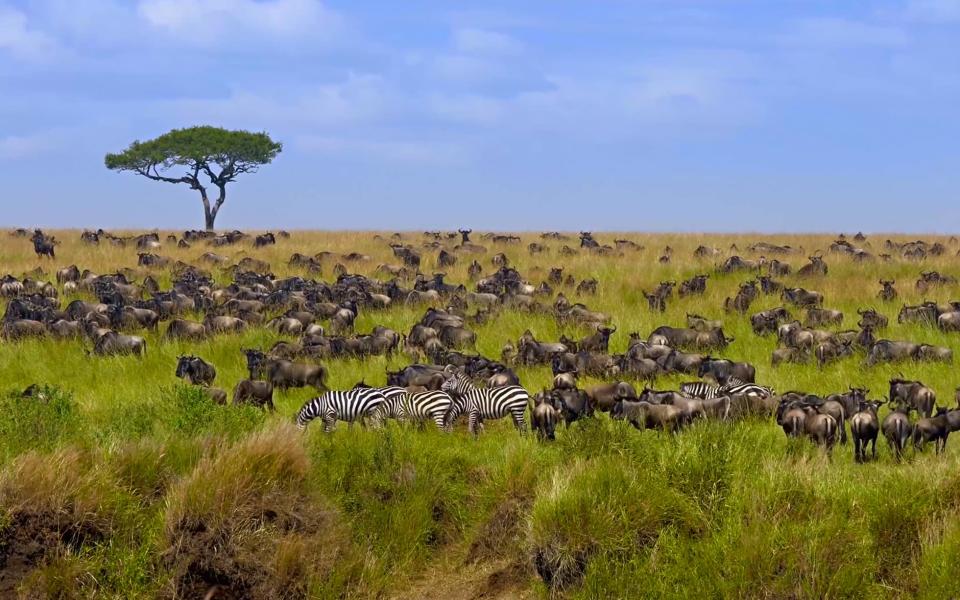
[186,155]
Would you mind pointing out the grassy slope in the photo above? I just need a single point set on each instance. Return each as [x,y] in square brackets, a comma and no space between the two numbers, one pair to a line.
[722,510]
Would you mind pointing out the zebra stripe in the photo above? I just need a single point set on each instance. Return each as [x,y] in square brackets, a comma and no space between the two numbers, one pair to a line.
[488,403]
[430,405]
[349,406]
[393,407]
[746,389]
[699,389]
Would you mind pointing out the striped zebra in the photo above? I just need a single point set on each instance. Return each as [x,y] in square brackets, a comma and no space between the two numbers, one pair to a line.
[745,389]
[700,389]
[394,395]
[430,405]
[350,405]
[488,403]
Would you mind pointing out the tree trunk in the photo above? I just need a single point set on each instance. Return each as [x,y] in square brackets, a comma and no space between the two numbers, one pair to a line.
[211,212]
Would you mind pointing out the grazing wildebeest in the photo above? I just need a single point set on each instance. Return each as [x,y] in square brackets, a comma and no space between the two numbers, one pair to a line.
[267,239]
[113,343]
[195,370]
[897,429]
[864,427]
[543,419]
[259,393]
[792,418]
[932,429]
[186,330]
[913,394]
[821,428]
[721,370]
[602,397]
[892,351]
[644,415]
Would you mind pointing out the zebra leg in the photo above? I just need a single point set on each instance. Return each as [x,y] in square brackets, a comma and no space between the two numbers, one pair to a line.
[328,424]
[519,422]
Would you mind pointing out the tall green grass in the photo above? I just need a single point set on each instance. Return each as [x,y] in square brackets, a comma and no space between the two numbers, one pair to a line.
[140,488]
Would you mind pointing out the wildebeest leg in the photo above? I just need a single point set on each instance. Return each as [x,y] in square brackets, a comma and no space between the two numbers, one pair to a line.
[874,448]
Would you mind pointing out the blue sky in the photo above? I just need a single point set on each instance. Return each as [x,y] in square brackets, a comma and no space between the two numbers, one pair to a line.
[660,115]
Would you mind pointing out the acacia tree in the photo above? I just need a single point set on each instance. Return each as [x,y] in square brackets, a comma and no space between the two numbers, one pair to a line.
[184,155]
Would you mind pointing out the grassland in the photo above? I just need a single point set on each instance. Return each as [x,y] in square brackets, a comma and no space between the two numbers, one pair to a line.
[126,484]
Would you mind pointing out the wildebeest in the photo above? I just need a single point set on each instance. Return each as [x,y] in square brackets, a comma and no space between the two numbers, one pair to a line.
[864,427]
[543,419]
[821,428]
[259,393]
[685,338]
[913,394]
[186,330]
[695,285]
[871,318]
[817,317]
[832,350]
[603,396]
[573,404]
[195,370]
[598,341]
[284,374]
[892,351]
[43,245]
[897,429]
[744,298]
[702,324]
[721,370]
[925,313]
[932,429]
[802,298]
[816,267]
[767,321]
[644,415]
[888,293]
[113,343]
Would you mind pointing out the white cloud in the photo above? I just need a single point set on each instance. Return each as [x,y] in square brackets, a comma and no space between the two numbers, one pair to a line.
[829,32]
[357,99]
[16,147]
[391,151]
[205,19]
[20,40]
[934,11]
[481,41]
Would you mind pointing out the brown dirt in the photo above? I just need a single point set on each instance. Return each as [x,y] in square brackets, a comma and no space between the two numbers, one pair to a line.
[29,540]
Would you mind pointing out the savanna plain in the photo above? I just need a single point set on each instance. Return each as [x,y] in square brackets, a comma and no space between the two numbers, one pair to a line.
[119,480]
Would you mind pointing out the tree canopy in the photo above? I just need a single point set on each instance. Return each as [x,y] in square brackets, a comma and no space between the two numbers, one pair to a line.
[186,155]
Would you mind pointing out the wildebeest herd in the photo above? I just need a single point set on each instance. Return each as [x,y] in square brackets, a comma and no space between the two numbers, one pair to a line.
[448,379]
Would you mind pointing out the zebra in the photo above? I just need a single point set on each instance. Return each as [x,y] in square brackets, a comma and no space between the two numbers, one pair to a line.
[394,395]
[420,406]
[746,389]
[488,403]
[700,389]
[349,405]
